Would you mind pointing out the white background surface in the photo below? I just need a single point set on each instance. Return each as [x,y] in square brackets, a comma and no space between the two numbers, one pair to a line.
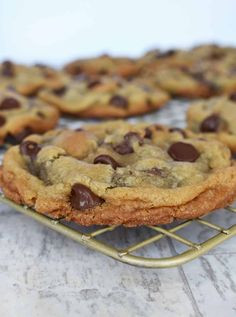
[55,31]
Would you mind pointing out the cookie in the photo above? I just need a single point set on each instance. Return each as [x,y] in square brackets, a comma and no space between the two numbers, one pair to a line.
[180,83]
[210,52]
[214,118]
[105,97]
[219,73]
[20,117]
[117,173]
[103,65]
[203,71]
[155,59]
[27,80]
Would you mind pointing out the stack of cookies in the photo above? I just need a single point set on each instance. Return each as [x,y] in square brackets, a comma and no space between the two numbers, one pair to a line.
[117,172]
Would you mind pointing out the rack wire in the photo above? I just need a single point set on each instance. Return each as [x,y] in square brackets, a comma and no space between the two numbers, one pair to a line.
[127,253]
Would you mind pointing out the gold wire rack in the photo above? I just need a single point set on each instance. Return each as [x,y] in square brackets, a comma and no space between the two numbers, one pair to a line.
[126,254]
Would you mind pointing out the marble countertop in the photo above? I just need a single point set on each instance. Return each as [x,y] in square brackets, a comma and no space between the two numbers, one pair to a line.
[42,273]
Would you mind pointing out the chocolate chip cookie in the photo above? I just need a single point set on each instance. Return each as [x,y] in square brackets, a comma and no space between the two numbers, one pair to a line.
[27,80]
[214,118]
[117,173]
[155,59]
[105,97]
[203,71]
[219,73]
[20,117]
[103,65]
[180,83]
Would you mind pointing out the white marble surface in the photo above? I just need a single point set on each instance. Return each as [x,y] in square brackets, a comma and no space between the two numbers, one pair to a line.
[43,273]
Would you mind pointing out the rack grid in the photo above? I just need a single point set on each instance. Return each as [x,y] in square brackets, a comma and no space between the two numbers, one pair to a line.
[127,254]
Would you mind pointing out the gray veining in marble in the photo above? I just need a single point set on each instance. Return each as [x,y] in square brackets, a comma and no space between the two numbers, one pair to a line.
[43,273]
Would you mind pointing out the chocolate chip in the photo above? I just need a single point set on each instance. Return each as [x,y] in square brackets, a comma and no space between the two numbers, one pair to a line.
[79,129]
[30,149]
[211,123]
[158,127]
[106,159]
[200,77]
[40,114]
[93,83]
[156,171]
[216,55]
[125,147]
[83,198]
[75,70]
[8,69]
[103,71]
[232,97]
[119,101]
[60,91]
[178,130]
[34,93]
[9,103]
[2,121]
[148,133]
[17,138]
[149,103]
[128,136]
[184,152]
[167,53]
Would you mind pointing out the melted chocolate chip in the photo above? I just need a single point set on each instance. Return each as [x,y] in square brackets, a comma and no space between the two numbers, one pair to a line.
[76,70]
[148,133]
[93,83]
[232,97]
[166,53]
[8,69]
[83,198]
[119,101]
[30,149]
[17,138]
[79,129]
[103,71]
[216,55]
[125,147]
[156,171]
[128,136]
[178,130]
[158,127]
[200,77]
[40,114]
[59,91]
[211,123]
[149,103]
[106,159]
[34,93]
[9,103]
[184,152]
[2,121]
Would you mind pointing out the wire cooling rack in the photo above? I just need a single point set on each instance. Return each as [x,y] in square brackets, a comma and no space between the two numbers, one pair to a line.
[91,237]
